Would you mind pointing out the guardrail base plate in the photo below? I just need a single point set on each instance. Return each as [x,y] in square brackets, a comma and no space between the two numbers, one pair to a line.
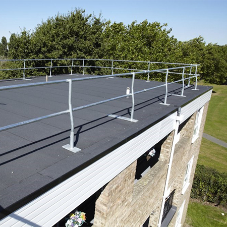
[74,150]
[122,118]
[178,95]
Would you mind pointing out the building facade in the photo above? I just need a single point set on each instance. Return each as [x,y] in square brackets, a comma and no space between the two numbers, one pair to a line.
[126,202]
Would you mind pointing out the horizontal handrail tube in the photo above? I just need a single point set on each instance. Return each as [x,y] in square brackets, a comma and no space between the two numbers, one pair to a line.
[33,120]
[104,67]
[100,102]
[58,81]
[183,79]
[41,67]
[80,59]
[31,84]
[78,79]
[76,108]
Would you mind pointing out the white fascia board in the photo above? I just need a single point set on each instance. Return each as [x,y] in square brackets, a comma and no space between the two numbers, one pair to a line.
[195,105]
[53,205]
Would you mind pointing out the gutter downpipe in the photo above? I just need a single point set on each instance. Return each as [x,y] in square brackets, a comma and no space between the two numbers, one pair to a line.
[170,165]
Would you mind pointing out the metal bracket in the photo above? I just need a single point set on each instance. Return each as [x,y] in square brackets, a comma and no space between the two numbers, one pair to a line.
[178,95]
[165,104]
[74,149]
[122,118]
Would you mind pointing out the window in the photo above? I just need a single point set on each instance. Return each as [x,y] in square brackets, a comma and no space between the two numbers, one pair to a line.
[197,124]
[179,215]
[146,161]
[168,204]
[146,223]
[187,175]
[169,210]
[88,206]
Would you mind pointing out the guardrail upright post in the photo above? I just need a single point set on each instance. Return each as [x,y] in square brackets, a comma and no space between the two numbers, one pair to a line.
[72,68]
[182,91]
[132,93]
[24,71]
[51,64]
[83,66]
[190,73]
[166,95]
[148,75]
[70,146]
[71,115]
[112,66]
[196,79]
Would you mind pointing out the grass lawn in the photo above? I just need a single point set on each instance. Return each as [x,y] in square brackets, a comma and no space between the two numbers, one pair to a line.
[216,121]
[200,215]
[213,155]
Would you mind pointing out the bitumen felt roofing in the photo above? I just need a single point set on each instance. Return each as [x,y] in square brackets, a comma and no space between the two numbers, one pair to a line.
[32,159]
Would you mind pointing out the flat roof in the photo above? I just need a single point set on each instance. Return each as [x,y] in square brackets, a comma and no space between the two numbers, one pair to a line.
[32,158]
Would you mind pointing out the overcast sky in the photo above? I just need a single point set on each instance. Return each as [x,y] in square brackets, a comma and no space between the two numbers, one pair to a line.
[187,18]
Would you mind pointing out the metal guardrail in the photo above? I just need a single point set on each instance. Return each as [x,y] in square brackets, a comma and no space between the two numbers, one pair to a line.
[70,110]
[51,66]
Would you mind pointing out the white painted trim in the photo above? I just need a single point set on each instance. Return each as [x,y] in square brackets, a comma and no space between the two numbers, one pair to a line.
[197,124]
[177,137]
[179,215]
[187,175]
[195,105]
[176,127]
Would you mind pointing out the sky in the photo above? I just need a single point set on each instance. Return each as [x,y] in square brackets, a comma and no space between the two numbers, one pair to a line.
[188,19]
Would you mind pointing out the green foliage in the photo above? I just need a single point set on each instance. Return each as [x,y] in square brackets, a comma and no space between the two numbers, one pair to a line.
[141,42]
[215,64]
[3,47]
[77,35]
[20,45]
[209,185]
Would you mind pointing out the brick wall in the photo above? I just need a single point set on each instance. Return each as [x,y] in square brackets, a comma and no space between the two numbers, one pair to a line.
[194,150]
[124,203]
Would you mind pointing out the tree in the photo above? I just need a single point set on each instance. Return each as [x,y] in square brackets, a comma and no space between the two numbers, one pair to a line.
[3,47]
[19,45]
[77,35]
[214,65]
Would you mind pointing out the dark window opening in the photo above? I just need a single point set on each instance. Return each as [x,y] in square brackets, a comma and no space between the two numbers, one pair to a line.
[88,207]
[168,205]
[146,223]
[181,126]
[148,160]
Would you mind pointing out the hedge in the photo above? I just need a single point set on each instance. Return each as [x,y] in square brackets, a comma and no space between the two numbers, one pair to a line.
[209,185]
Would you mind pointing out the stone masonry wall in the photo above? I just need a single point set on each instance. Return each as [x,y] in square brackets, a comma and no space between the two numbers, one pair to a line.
[194,150]
[124,203]
[184,151]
